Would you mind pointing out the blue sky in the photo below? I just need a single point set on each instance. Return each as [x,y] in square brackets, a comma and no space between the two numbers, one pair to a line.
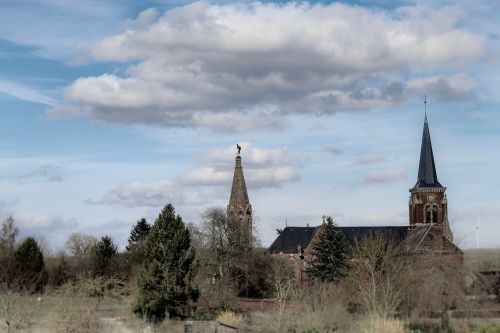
[110,109]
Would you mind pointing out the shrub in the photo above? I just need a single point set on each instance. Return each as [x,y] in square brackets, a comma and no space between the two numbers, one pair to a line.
[383,325]
[230,318]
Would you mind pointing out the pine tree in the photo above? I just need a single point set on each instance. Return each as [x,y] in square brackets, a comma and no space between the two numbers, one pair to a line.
[29,257]
[329,255]
[29,265]
[138,235]
[102,256]
[166,281]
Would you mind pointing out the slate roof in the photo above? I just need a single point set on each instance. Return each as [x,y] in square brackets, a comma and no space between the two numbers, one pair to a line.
[291,237]
[427,176]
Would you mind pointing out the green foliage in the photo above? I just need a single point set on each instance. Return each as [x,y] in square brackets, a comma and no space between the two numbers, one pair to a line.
[166,281]
[490,328]
[29,270]
[330,254]
[102,256]
[138,236]
[29,257]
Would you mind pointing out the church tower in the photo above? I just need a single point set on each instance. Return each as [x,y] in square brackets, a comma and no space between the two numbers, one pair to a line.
[428,204]
[239,209]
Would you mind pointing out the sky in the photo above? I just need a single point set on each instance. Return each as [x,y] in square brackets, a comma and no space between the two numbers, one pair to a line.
[111,109]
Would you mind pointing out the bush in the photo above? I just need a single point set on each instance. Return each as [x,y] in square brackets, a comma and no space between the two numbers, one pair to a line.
[230,318]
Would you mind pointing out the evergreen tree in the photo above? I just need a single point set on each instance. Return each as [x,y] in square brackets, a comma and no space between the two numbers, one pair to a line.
[29,265]
[102,256]
[166,281]
[29,257]
[138,236]
[329,255]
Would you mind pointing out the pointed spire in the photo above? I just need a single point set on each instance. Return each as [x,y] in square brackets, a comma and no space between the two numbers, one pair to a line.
[239,210]
[239,194]
[427,176]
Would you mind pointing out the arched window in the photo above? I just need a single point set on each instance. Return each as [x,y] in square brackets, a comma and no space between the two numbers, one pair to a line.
[431,212]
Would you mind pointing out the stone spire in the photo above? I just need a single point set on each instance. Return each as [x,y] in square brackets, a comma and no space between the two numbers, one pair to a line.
[239,209]
[427,176]
[239,194]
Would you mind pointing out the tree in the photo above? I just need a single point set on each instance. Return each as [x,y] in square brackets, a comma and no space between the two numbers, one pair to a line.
[216,231]
[80,245]
[166,281]
[138,236]
[8,237]
[329,255]
[102,256]
[29,264]
[378,274]
[7,244]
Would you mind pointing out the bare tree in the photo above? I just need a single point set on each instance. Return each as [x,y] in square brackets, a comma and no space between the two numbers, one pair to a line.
[8,236]
[81,247]
[80,244]
[283,281]
[377,273]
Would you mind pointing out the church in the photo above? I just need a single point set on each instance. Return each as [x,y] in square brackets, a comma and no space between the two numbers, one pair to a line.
[428,230]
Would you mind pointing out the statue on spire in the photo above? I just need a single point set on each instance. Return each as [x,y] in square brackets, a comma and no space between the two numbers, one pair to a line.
[239,149]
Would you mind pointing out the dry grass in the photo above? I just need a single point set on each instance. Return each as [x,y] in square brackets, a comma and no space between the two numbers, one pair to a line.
[230,318]
[383,325]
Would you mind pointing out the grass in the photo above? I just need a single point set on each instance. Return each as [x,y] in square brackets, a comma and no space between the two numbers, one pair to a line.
[60,313]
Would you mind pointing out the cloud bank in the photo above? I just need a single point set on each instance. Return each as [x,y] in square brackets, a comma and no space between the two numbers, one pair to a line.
[211,179]
[207,65]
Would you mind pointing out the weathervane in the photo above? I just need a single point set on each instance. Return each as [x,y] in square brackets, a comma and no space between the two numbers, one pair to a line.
[425,104]
[239,149]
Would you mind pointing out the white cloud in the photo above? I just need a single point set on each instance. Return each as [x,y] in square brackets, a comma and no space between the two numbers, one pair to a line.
[30,222]
[5,209]
[211,179]
[255,178]
[47,172]
[149,194]
[206,65]
[369,159]
[382,176]
[254,157]
[262,167]
[25,93]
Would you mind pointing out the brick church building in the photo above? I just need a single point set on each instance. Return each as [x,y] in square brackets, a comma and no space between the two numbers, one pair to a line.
[428,230]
